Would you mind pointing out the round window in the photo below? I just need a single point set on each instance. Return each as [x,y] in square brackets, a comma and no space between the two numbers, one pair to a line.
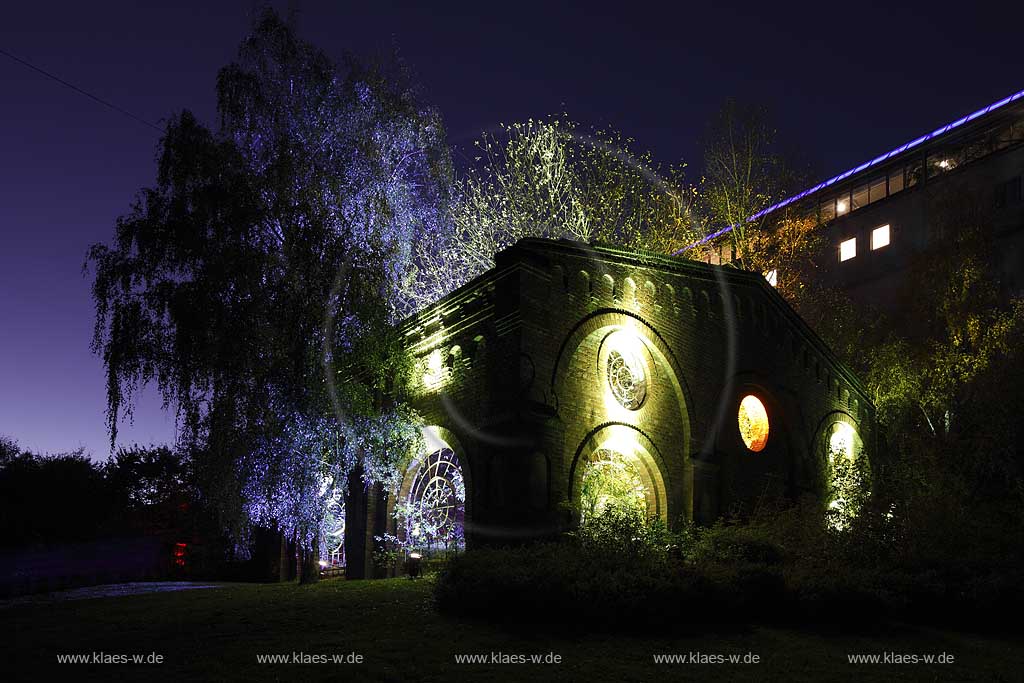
[753,422]
[626,378]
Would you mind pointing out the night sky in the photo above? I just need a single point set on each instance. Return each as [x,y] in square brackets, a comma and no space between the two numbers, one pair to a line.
[846,81]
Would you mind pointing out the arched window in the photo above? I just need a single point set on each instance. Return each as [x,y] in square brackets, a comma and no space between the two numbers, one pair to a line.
[841,442]
[849,476]
[434,512]
[625,370]
[612,479]
[334,534]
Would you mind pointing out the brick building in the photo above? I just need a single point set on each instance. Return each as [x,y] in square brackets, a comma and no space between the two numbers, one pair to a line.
[697,379]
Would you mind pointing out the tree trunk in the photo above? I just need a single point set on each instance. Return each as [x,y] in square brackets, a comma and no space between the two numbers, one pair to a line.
[309,570]
[282,557]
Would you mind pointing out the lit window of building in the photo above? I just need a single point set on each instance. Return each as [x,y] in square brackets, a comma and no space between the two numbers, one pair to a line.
[848,249]
[828,209]
[880,237]
[843,205]
[876,190]
[860,197]
[896,181]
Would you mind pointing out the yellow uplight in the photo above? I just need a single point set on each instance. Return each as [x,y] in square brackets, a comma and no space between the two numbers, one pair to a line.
[433,375]
[841,441]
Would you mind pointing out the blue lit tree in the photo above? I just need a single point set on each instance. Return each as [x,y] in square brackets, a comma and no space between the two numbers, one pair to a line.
[258,282]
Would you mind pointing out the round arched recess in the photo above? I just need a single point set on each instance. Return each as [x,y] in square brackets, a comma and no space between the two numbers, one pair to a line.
[756,447]
[770,423]
[838,433]
[844,466]
[605,323]
[432,508]
[627,445]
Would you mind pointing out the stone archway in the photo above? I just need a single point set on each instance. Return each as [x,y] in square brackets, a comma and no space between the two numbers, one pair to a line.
[625,447]
[845,467]
[613,368]
[606,321]
[431,509]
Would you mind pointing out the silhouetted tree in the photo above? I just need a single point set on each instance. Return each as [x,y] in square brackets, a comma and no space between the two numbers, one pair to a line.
[53,499]
[744,174]
[259,278]
[142,477]
[9,449]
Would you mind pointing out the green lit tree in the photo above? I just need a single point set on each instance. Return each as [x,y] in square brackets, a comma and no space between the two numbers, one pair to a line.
[550,178]
[613,481]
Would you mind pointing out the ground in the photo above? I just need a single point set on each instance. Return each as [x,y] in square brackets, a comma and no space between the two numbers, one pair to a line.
[216,634]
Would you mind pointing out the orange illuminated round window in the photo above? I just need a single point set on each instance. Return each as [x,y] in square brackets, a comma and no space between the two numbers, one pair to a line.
[753,421]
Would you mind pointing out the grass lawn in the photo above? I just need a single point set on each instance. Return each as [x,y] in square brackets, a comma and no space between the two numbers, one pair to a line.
[216,634]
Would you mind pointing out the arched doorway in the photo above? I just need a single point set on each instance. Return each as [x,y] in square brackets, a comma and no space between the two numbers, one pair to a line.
[617,465]
[848,475]
[612,479]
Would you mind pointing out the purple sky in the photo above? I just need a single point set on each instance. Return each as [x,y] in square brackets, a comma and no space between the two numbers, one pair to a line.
[845,84]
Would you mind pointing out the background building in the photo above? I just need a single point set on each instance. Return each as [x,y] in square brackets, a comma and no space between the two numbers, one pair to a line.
[878,216]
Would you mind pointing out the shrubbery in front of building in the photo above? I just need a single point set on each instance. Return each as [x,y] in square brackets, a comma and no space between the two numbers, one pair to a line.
[784,565]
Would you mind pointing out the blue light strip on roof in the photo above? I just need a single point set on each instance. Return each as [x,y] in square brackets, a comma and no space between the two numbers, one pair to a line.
[868,164]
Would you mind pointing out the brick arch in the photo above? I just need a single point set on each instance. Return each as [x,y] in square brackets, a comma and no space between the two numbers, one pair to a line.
[650,293]
[629,292]
[826,422]
[435,437]
[654,472]
[820,442]
[558,274]
[662,352]
[785,427]
[759,385]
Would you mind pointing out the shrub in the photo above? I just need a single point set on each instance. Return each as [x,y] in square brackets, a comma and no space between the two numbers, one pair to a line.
[621,572]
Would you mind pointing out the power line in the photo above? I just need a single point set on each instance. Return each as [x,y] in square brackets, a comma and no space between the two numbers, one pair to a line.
[102,101]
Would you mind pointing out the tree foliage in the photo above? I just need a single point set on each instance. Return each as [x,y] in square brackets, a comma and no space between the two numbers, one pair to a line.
[960,328]
[550,178]
[9,449]
[53,499]
[259,279]
[611,481]
[141,477]
[743,174]
[789,245]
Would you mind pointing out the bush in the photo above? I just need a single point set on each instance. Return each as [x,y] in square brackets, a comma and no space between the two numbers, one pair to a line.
[620,572]
[617,572]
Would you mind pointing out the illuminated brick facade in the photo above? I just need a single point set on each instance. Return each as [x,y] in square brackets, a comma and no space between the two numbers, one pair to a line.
[516,381]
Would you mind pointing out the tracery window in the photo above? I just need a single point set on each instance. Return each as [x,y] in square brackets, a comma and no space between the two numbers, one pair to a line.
[626,378]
